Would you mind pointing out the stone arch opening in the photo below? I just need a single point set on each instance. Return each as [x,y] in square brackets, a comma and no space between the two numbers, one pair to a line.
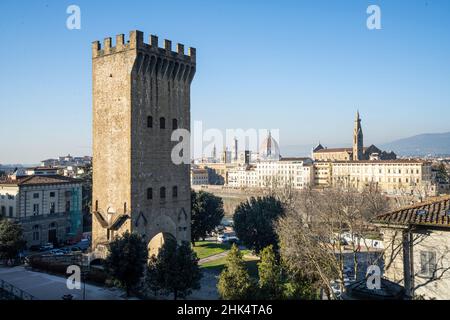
[158,241]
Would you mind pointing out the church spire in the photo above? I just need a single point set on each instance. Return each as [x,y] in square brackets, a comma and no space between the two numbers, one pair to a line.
[358,144]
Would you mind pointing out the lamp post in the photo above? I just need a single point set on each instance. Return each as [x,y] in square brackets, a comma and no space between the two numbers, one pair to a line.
[85,264]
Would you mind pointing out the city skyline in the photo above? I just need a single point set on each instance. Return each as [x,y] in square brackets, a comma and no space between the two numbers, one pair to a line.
[322,60]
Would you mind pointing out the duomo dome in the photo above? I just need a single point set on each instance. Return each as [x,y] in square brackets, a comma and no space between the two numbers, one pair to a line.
[269,149]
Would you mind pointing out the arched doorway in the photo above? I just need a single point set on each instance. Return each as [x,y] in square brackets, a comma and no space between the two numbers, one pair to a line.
[158,241]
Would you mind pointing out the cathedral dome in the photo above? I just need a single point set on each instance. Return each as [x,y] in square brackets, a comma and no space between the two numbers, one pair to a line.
[269,149]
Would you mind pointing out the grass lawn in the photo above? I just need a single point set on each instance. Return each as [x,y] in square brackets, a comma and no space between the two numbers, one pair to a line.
[250,261]
[209,248]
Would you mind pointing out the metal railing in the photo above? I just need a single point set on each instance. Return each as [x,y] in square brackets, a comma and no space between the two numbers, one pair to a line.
[14,291]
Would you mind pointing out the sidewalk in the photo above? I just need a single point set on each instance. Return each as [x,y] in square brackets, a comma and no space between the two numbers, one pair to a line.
[44,286]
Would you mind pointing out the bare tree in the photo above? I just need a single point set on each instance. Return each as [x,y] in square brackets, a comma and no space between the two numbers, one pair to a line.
[311,232]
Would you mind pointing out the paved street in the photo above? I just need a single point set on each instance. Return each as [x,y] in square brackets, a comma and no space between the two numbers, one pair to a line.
[49,287]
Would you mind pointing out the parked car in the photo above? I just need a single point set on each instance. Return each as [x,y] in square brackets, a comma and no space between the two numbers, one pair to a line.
[230,238]
[66,250]
[75,250]
[46,247]
[56,252]
[84,243]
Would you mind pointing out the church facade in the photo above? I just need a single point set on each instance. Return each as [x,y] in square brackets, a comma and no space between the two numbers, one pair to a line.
[356,153]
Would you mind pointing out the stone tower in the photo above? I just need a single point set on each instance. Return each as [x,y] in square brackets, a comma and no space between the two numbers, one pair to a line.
[141,94]
[236,153]
[358,144]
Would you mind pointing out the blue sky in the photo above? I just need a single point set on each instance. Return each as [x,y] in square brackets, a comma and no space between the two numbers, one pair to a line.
[301,66]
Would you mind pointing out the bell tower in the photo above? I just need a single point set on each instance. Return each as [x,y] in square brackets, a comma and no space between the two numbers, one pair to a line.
[358,144]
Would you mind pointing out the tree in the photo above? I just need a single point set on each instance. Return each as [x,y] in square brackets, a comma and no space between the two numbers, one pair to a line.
[206,214]
[254,222]
[442,174]
[11,239]
[270,275]
[234,281]
[126,260]
[175,270]
[311,232]
[299,287]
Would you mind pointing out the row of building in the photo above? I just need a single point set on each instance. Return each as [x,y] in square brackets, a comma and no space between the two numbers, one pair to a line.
[398,177]
[355,167]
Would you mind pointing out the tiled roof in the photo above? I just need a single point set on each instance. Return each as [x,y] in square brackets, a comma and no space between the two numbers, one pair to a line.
[39,180]
[329,150]
[431,213]
[384,161]
[296,159]
[199,170]
[42,168]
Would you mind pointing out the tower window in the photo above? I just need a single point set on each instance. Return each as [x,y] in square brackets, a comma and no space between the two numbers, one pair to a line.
[149,194]
[174,191]
[149,122]
[162,193]
[174,124]
[162,123]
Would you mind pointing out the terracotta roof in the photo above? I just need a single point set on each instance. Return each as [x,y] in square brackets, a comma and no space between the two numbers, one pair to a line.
[39,180]
[42,168]
[296,159]
[384,161]
[329,150]
[199,171]
[430,213]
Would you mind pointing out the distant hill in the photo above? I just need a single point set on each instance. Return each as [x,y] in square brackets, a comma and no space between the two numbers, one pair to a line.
[435,144]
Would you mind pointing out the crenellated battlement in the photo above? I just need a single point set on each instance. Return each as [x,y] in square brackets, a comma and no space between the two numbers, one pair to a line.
[136,42]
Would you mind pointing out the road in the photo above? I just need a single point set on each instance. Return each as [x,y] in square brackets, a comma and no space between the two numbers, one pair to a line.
[50,287]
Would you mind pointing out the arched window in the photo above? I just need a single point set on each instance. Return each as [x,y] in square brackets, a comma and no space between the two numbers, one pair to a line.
[174,124]
[162,123]
[174,191]
[149,122]
[162,193]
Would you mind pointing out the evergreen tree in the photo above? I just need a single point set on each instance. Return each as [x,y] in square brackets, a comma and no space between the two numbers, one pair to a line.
[126,260]
[234,281]
[270,275]
[254,222]
[442,173]
[175,270]
[11,239]
[298,287]
[206,214]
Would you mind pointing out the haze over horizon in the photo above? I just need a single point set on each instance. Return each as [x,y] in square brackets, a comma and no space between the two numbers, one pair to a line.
[302,67]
